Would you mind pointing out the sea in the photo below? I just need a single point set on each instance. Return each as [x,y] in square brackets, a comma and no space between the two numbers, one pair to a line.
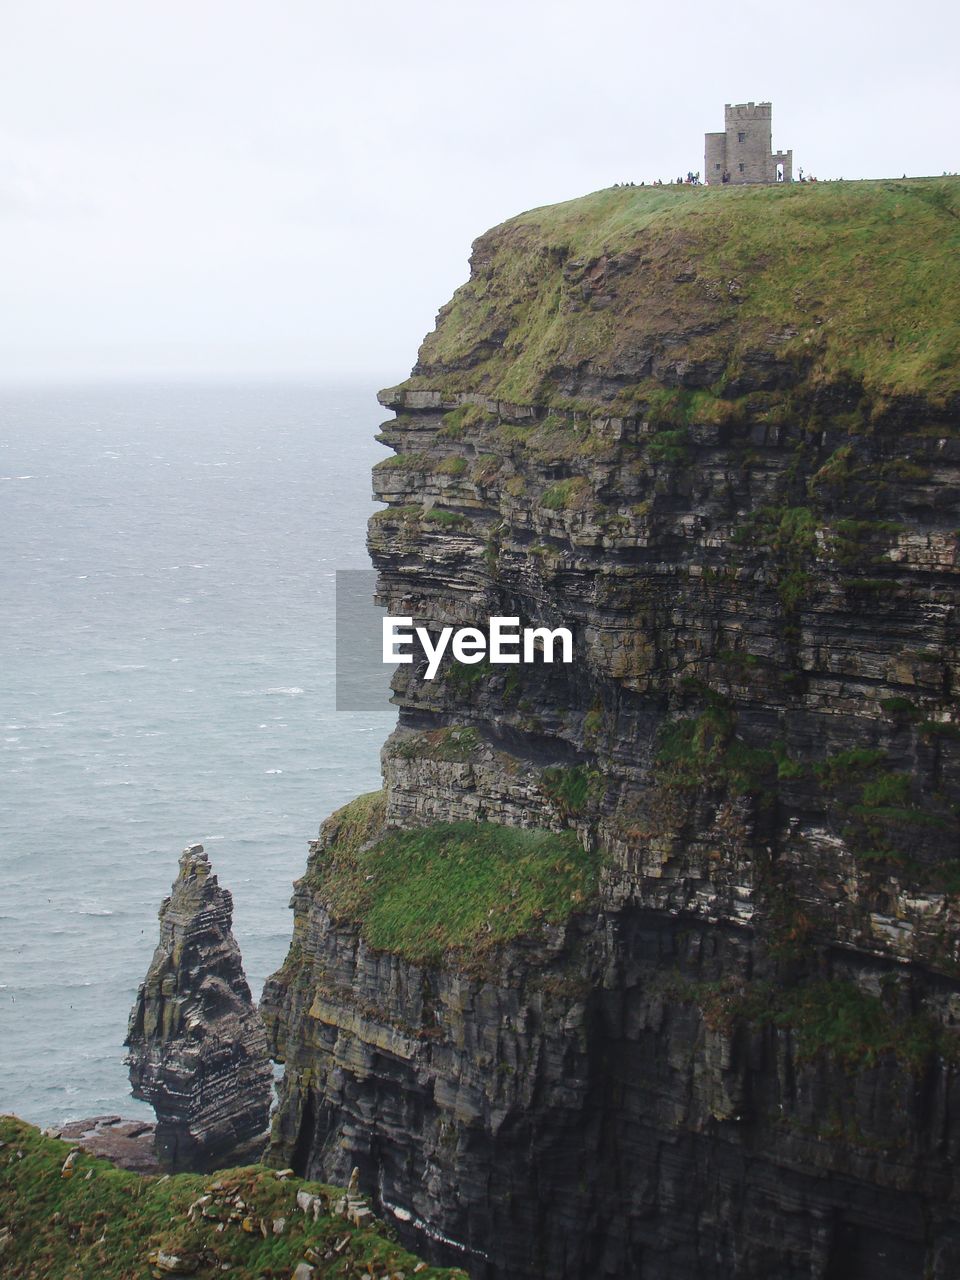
[167,559]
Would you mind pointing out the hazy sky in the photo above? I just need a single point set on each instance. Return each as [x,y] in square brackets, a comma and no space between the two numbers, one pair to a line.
[231,187]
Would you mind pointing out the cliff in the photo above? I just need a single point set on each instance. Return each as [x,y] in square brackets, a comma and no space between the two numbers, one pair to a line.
[648,966]
[197,1049]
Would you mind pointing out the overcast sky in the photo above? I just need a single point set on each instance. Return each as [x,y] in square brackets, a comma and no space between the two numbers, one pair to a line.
[289,187]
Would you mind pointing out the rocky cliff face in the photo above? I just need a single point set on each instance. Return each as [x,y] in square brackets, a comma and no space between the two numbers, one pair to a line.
[694,434]
[197,1049]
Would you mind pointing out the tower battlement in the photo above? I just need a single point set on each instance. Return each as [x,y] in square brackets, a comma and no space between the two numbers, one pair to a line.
[743,152]
[748,111]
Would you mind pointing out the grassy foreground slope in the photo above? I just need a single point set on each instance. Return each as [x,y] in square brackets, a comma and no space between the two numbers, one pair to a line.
[853,281]
[103,1222]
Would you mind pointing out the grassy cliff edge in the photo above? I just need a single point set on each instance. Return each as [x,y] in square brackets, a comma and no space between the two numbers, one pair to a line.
[683,285]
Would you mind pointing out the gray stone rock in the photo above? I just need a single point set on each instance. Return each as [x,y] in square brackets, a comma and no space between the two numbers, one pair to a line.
[197,1050]
[769,584]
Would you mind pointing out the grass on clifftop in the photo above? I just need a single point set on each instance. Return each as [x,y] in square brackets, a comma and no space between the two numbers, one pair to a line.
[862,278]
[454,885]
[105,1223]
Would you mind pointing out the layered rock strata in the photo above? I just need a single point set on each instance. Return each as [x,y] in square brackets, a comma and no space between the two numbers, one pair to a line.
[197,1049]
[738,486]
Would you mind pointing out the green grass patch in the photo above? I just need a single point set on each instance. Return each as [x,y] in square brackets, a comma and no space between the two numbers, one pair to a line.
[410,513]
[669,447]
[863,274]
[789,533]
[792,589]
[461,886]
[486,468]
[848,766]
[835,1017]
[788,769]
[104,1222]
[836,473]
[593,721]
[569,788]
[888,789]
[704,750]
[452,466]
[829,1016]
[458,421]
[789,536]
[445,519]
[680,407]
[357,822]
[859,543]
[466,677]
[405,462]
[451,744]
[567,495]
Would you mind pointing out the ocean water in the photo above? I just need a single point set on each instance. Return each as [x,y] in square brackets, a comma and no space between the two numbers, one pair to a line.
[166,676]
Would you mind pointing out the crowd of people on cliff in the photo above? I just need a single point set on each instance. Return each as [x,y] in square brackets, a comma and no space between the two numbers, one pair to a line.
[691,180]
[694,180]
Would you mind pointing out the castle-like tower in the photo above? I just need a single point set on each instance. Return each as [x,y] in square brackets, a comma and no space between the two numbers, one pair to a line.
[743,151]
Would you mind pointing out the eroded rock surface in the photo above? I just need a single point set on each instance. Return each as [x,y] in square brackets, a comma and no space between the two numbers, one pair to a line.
[129,1144]
[740,1060]
[197,1049]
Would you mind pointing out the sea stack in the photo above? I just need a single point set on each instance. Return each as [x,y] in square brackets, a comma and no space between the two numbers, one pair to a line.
[198,1051]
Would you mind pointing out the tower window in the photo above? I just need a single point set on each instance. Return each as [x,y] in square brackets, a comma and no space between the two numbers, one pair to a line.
[741,137]
[718,166]
[741,168]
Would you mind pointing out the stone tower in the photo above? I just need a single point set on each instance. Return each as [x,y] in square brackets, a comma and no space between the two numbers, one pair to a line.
[743,151]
